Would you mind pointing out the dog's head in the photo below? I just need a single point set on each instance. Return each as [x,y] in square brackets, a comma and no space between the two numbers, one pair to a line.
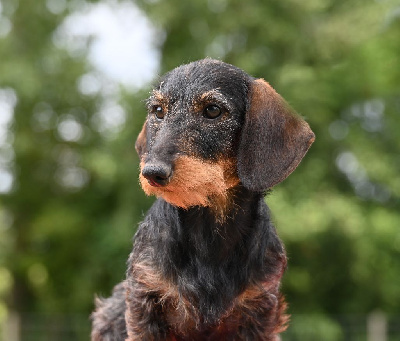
[211,127]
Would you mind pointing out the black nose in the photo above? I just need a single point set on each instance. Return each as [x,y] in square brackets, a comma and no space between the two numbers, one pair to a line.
[157,174]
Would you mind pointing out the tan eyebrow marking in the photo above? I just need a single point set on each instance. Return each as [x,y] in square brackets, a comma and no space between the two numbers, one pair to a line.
[211,95]
[214,96]
[157,98]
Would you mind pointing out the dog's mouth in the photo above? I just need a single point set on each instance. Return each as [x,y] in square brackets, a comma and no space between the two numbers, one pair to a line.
[154,183]
[193,182]
[159,181]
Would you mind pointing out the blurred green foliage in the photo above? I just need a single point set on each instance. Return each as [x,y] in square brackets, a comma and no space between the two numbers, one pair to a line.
[66,225]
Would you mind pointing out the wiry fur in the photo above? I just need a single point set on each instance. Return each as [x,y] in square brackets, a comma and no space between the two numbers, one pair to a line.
[198,183]
[206,262]
[109,317]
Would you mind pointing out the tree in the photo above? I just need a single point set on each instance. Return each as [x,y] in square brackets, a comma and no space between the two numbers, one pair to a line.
[75,201]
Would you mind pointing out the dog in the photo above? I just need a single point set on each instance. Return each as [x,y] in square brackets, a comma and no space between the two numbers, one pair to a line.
[206,261]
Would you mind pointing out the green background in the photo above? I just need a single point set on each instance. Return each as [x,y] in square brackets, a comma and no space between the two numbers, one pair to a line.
[337,62]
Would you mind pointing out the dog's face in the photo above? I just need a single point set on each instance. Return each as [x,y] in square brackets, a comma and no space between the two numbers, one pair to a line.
[197,110]
[210,126]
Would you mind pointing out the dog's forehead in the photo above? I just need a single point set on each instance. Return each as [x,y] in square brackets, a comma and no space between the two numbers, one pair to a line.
[201,77]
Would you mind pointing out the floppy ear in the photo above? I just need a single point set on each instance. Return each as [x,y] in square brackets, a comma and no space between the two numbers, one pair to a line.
[141,141]
[273,141]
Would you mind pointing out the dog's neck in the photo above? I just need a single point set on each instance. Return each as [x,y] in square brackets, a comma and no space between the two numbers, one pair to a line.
[208,255]
[245,231]
[222,234]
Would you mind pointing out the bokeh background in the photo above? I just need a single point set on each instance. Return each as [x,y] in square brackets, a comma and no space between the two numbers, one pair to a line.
[73,77]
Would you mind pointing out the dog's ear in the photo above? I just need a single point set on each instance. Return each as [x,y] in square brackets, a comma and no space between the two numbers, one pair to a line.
[274,139]
[141,141]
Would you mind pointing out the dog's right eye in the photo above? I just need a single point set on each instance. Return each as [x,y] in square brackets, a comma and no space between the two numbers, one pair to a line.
[212,111]
[158,112]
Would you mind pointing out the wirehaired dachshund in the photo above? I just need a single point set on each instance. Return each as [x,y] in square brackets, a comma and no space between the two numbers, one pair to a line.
[207,262]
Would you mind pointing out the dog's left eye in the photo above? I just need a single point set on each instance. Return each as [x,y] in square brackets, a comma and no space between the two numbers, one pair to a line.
[212,111]
[158,112]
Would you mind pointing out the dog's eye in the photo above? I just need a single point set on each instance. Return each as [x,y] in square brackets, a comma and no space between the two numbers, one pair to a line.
[158,112]
[212,111]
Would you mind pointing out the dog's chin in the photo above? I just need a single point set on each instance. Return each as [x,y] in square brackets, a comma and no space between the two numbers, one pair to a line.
[183,199]
[197,183]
